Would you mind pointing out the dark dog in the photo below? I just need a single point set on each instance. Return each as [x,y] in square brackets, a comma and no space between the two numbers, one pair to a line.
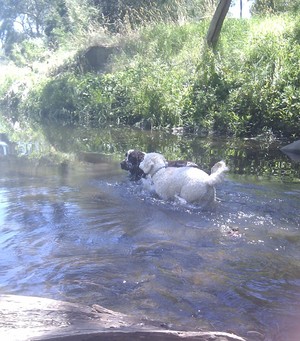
[132,161]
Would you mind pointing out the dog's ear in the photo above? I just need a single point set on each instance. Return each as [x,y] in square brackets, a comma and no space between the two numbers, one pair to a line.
[150,164]
[128,153]
[141,156]
[146,165]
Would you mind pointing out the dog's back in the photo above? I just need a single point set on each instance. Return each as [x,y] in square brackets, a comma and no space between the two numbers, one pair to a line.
[181,163]
[187,183]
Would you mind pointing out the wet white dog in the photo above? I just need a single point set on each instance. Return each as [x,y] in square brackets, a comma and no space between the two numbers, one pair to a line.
[185,184]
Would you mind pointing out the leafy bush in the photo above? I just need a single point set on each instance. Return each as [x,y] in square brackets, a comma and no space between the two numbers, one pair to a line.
[165,76]
[28,51]
[255,89]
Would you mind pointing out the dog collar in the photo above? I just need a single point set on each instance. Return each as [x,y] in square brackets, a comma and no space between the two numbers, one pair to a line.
[158,170]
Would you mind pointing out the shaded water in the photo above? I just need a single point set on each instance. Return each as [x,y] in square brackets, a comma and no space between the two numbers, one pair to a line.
[82,232]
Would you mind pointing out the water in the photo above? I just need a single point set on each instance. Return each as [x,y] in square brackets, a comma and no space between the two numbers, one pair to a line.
[81,232]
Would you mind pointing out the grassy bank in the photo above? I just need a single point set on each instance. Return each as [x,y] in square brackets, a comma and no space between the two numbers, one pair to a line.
[163,76]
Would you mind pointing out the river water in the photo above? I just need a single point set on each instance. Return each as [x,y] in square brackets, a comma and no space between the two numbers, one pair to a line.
[82,232]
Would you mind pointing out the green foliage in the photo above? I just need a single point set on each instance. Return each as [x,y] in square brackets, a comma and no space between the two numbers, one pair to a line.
[57,22]
[132,14]
[163,76]
[27,52]
[22,20]
[263,7]
[208,91]
[250,90]
[52,21]
[138,91]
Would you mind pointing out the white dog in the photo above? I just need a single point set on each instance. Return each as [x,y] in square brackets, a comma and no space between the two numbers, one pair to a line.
[186,184]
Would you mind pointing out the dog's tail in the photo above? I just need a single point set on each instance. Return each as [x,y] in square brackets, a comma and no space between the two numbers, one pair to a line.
[217,173]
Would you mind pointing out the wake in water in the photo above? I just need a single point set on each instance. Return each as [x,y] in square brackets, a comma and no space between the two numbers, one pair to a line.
[217,217]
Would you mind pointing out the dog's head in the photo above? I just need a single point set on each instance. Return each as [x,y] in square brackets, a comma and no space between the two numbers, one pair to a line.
[131,163]
[152,162]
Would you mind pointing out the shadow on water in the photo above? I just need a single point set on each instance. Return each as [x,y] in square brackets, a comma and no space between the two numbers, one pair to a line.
[82,232]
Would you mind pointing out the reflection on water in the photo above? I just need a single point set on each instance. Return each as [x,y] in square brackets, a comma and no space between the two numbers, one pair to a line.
[246,157]
[84,233]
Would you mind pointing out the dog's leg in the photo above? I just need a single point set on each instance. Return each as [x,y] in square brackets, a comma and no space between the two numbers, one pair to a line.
[180,200]
[148,184]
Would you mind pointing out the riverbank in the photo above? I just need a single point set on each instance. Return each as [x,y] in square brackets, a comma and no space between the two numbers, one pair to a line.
[163,76]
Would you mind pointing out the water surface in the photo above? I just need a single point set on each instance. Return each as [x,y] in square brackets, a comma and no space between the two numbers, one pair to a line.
[82,232]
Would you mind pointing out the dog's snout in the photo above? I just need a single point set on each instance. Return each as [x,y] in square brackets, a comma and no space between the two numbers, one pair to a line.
[124,165]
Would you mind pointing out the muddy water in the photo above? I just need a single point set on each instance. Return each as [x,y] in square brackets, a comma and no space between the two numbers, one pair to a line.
[82,232]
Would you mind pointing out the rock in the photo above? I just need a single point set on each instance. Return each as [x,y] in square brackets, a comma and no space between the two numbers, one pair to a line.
[98,56]
[32,318]
[292,147]
[292,150]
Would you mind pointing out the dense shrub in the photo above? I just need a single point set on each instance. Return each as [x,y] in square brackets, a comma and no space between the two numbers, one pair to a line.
[253,89]
[165,76]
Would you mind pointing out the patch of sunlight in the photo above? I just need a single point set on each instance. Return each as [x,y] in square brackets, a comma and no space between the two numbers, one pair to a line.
[276,26]
[11,71]
[54,62]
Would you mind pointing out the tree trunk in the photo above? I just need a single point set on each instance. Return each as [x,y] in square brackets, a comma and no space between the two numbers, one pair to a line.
[217,22]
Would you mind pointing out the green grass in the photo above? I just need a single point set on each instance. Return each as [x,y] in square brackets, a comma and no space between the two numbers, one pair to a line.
[164,76]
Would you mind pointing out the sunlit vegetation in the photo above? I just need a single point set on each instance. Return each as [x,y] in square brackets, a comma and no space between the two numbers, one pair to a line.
[160,73]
